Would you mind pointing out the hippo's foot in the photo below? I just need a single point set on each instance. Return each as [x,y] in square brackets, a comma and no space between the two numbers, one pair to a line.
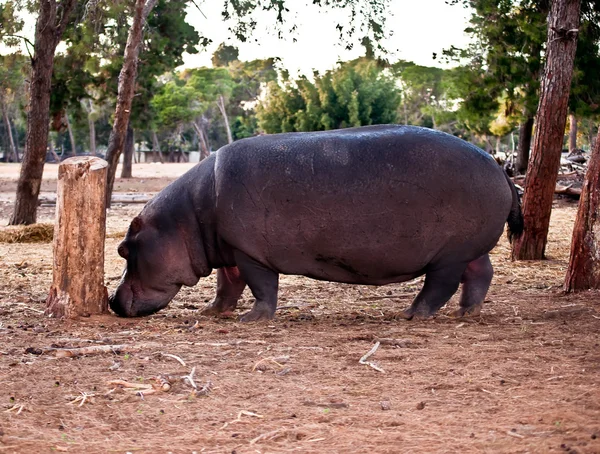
[220,306]
[257,314]
[411,313]
[471,311]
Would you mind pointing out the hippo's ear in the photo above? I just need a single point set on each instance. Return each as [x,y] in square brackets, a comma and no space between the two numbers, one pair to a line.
[136,225]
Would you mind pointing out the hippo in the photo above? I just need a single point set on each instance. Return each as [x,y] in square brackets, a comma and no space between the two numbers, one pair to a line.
[372,205]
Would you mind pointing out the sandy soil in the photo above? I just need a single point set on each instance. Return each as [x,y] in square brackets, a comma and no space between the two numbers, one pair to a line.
[523,377]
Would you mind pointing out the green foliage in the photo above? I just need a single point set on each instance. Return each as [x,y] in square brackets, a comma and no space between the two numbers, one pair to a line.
[224,55]
[356,93]
[364,17]
[506,58]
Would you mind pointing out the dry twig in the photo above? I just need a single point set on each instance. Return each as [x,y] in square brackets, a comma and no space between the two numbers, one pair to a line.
[363,360]
[175,357]
[239,417]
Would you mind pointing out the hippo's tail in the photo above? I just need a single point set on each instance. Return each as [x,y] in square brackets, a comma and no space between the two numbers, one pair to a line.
[515,217]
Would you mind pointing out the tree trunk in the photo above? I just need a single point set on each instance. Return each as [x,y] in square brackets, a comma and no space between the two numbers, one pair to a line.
[16,136]
[540,182]
[125,91]
[11,139]
[128,154]
[204,150]
[525,132]
[51,22]
[572,133]
[71,137]
[498,145]
[221,104]
[584,263]
[79,231]
[156,146]
[92,126]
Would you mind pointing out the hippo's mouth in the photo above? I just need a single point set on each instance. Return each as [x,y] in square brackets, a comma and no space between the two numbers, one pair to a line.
[127,302]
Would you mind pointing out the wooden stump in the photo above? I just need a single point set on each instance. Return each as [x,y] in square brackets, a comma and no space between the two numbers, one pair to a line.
[80,228]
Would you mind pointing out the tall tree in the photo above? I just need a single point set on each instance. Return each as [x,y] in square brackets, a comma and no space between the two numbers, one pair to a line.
[563,27]
[584,265]
[53,17]
[12,93]
[506,54]
[126,91]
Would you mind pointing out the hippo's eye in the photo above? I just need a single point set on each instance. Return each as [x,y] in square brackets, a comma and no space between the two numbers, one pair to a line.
[123,251]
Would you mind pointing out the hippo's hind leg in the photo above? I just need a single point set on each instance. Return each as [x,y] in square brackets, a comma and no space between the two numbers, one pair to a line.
[230,287]
[263,283]
[476,281]
[440,285]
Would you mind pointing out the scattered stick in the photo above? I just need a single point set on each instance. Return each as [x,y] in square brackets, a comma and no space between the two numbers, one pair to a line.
[239,417]
[128,385]
[260,365]
[204,391]
[91,350]
[514,434]
[267,436]
[32,309]
[175,357]
[190,378]
[363,360]
[81,399]
[558,377]
[17,407]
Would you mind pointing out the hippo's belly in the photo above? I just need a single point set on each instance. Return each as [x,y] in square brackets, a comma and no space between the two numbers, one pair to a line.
[371,212]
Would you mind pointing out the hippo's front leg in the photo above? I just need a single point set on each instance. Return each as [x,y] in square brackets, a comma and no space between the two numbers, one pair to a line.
[230,287]
[263,283]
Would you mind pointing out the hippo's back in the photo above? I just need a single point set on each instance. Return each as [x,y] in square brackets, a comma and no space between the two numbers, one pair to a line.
[371,204]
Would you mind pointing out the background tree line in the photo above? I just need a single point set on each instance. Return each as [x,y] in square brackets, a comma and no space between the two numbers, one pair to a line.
[530,62]
[489,98]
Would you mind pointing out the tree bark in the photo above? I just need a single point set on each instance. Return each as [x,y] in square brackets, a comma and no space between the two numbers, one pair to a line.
[584,263]
[563,23]
[572,133]
[80,228]
[221,104]
[156,146]
[204,150]
[11,139]
[50,25]
[71,137]
[125,91]
[128,149]
[525,132]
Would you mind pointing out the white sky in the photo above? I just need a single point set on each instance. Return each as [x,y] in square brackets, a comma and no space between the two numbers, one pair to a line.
[420,28]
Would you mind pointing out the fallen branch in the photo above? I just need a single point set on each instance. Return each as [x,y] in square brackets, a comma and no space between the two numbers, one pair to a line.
[175,357]
[363,360]
[17,407]
[190,378]
[81,399]
[91,350]
[267,436]
[239,417]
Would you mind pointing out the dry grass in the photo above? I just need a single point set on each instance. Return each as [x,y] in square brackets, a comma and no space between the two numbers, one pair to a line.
[35,233]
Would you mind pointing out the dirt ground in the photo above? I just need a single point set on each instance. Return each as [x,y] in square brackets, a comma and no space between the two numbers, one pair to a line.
[523,377]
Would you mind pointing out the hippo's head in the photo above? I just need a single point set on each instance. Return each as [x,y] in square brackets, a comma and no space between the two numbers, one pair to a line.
[158,264]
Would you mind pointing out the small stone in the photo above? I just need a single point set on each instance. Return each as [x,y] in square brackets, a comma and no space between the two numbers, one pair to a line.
[420,405]
[385,405]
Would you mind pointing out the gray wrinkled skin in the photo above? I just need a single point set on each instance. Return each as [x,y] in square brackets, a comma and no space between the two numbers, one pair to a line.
[371,205]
